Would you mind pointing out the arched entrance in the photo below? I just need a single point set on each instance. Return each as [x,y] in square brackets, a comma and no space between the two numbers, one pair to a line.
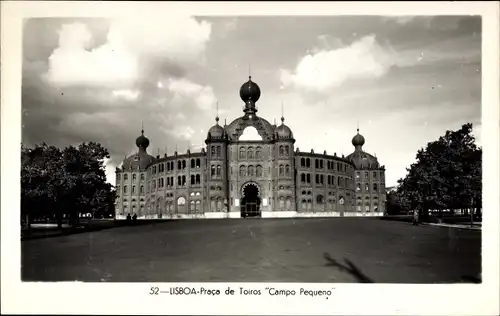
[250,202]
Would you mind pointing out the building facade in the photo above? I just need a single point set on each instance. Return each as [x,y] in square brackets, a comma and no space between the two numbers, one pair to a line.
[250,168]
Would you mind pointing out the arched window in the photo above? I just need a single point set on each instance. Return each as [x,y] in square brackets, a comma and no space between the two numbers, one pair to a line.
[287,170]
[142,189]
[282,202]
[258,152]
[192,179]
[375,187]
[219,204]
[242,152]
[212,170]
[287,151]
[357,174]
[308,162]
[367,188]
[213,151]
[183,180]
[219,151]
[250,153]
[367,175]
[316,163]
[213,205]
[319,199]
[198,179]
[192,206]
[309,204]
[218,171]
[125,177]
[288,203]
[124,189]
[198,206]
[181,201]
[184,164]
[192,163]
[302,178]
[259,171]
[242,171]
[302,162]
[308,178]
[250,171]
[133,189]
[281,170]
[358,187]
[282,151]
[142,176]
[134,177]
[179,165]
[304,204]
[198,163]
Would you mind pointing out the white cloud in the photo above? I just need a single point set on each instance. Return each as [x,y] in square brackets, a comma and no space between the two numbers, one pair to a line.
[402,19]
[129,43]
[327,69]
[130,95]
[72,64]
[179,131]
[203,96]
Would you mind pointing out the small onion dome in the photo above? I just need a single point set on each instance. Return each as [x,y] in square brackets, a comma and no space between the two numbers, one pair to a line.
[284,131]
[362,160]
[358,140]
[250,91]
[142,141]
[140,161]
[216,131]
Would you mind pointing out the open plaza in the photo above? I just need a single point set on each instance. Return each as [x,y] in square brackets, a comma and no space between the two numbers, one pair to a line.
[259,250]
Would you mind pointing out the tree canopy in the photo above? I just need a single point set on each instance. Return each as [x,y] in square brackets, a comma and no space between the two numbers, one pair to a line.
[446,174]
[57,182]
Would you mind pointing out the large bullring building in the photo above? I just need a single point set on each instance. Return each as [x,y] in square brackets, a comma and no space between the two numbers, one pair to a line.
[240,176]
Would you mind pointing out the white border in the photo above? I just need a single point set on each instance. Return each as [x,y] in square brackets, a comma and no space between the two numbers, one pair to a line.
[376,299]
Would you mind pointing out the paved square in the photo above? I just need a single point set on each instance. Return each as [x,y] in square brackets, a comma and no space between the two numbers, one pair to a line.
[280,250]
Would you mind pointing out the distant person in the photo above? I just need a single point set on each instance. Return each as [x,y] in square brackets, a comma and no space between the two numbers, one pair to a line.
[128,217]
[134,217]
[415,217]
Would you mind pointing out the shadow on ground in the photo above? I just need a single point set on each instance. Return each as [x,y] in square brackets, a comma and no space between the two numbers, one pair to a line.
[349,268]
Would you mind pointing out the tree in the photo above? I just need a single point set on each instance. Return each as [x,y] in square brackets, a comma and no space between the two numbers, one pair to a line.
[67,182]
[446,174]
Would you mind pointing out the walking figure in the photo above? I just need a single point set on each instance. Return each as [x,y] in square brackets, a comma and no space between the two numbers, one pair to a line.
[128,217]
[415,217]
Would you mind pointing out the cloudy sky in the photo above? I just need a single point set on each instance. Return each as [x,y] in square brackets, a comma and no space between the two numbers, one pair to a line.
[405,80]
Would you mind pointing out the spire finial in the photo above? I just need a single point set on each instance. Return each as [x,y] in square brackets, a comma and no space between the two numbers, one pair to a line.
[249,71]
[142,127]
[225,122]
[357,128]
[217,117]
[282,112]
[158,151]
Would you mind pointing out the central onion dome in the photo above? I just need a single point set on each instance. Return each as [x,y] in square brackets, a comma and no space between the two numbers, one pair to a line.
[142,141]
[250,91]
[358,140]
